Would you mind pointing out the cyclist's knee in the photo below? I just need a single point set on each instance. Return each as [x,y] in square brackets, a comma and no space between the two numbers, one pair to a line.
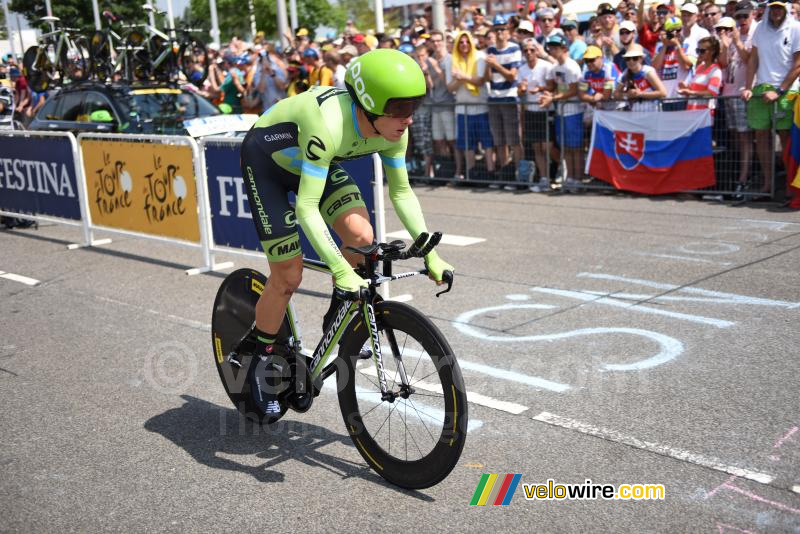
[285,276]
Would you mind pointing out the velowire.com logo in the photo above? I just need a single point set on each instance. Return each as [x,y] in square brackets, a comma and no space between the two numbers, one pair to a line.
[495,489]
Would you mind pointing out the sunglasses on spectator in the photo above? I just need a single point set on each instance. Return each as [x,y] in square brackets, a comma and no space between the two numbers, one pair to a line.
[547,20]
[720,30]
[637,58]
[700,50]
[526,50]
[741,17]
[662,12]
[625,32]
[714,14]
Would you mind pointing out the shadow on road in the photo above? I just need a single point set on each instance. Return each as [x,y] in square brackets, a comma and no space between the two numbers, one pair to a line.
[212,434]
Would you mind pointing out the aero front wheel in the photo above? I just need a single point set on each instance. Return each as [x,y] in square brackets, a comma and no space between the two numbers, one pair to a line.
[415,440]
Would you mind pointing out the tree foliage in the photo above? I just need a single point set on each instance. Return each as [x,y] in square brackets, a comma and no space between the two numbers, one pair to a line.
[78,13]
[234,19]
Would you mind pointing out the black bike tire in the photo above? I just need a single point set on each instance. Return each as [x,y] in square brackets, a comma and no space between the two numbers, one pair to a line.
[440,461]
[38,78]
[193,43]
[242,397]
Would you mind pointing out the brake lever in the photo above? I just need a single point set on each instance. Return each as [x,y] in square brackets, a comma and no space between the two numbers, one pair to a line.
[447,277]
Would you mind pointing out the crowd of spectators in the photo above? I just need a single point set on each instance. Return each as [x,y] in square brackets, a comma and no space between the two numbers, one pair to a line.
[497,82]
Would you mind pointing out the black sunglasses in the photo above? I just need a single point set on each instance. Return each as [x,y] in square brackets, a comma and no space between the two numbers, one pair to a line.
[635,58]
[701,50]
[625,32]
[712,14]
[742,17]
[662,13]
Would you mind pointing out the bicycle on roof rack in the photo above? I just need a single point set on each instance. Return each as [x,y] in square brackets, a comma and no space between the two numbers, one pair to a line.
[56,58]
[399,385]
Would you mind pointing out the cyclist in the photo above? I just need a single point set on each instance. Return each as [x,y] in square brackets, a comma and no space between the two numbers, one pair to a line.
[297,145]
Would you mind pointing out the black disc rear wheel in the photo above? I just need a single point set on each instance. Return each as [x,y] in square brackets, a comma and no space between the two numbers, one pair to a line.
[415,440]
[233,316]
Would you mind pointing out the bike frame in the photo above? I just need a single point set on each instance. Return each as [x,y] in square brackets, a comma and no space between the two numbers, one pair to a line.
[319,368]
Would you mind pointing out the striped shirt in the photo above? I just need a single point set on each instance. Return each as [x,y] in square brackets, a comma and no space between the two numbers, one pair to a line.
[706,78]
[500,89]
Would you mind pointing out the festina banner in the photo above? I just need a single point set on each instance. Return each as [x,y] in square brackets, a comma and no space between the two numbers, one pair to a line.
[652,152]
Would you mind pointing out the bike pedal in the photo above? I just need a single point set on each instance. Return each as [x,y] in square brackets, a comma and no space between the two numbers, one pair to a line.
[233,360]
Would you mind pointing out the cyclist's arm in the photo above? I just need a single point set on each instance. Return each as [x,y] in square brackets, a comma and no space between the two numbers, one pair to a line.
[403,199]
[313,177]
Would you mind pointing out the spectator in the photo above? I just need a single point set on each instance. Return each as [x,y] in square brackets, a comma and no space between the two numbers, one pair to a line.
[706,78]
[730,8]
[298,78]
[691,32]
[440,67]
[524,31]
[502,62]
[775,62]
[562,86]
[22,93]
[472,114]
[318,72]
[269,81]
[650,23]
[532,78]
[600,78]
[334,62]
[420,128]
[761,6]
[37,102]
[577,46]
[711,15]
[346,54]
[639,84]
[627,37]
[672,60]
[606,35]
[546,19]
[735,45]
[360,44]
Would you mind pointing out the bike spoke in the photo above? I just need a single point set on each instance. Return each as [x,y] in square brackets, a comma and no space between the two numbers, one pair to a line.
[421,419]
[412,439]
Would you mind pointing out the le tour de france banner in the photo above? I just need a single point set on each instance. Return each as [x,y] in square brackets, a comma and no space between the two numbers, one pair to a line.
[37,176]
[231,222]
[142,187]
[651,152]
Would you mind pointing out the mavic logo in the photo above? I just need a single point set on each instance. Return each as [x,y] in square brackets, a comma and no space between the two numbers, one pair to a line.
[285,246]
[361,88]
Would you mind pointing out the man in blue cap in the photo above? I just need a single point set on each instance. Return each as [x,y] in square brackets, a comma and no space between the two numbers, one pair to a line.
[502,61]
[562,82]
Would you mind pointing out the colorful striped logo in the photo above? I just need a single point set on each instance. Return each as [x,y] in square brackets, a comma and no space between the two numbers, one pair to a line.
[495,489]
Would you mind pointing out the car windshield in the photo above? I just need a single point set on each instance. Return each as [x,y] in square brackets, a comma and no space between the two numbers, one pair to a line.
[162,111]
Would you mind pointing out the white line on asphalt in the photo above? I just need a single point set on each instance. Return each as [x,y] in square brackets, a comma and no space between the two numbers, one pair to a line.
[733,298]
[19,278]
[475,398]
[796,488]
[684,258]
[447,239]
[175,318]
[402,298]
[678,454]
[719,323]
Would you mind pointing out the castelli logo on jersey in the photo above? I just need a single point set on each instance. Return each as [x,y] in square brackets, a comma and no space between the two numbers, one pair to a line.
[361,88]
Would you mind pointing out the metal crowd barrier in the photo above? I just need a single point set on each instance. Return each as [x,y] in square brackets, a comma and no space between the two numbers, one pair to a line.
[729,157]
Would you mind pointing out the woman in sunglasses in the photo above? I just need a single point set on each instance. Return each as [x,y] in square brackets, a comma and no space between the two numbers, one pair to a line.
[706,79]
[639,83]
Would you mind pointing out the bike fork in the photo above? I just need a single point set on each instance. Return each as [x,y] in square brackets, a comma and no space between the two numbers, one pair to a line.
[368,310]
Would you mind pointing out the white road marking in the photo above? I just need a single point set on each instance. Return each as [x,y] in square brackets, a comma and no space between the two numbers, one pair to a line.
[719,323]
[678,454]
[447,239]
[19,278]
[475,398]
[796,488]
[684,258]
[665,298]
[733,298]
[402,298]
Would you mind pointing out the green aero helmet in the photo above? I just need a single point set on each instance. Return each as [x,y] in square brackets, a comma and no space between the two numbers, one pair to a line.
[386,82]
[673,24]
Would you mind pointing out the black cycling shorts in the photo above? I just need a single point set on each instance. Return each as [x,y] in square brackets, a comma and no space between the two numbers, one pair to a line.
[268,186]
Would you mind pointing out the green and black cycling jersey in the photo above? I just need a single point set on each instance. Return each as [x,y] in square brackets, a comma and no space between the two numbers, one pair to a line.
[296,146]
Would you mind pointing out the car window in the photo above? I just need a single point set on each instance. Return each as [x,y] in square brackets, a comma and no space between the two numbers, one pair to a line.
[96,102]
[71,107]
[163,111]
[50,109]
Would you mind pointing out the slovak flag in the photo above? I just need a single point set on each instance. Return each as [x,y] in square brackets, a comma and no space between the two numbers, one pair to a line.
[652,152]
